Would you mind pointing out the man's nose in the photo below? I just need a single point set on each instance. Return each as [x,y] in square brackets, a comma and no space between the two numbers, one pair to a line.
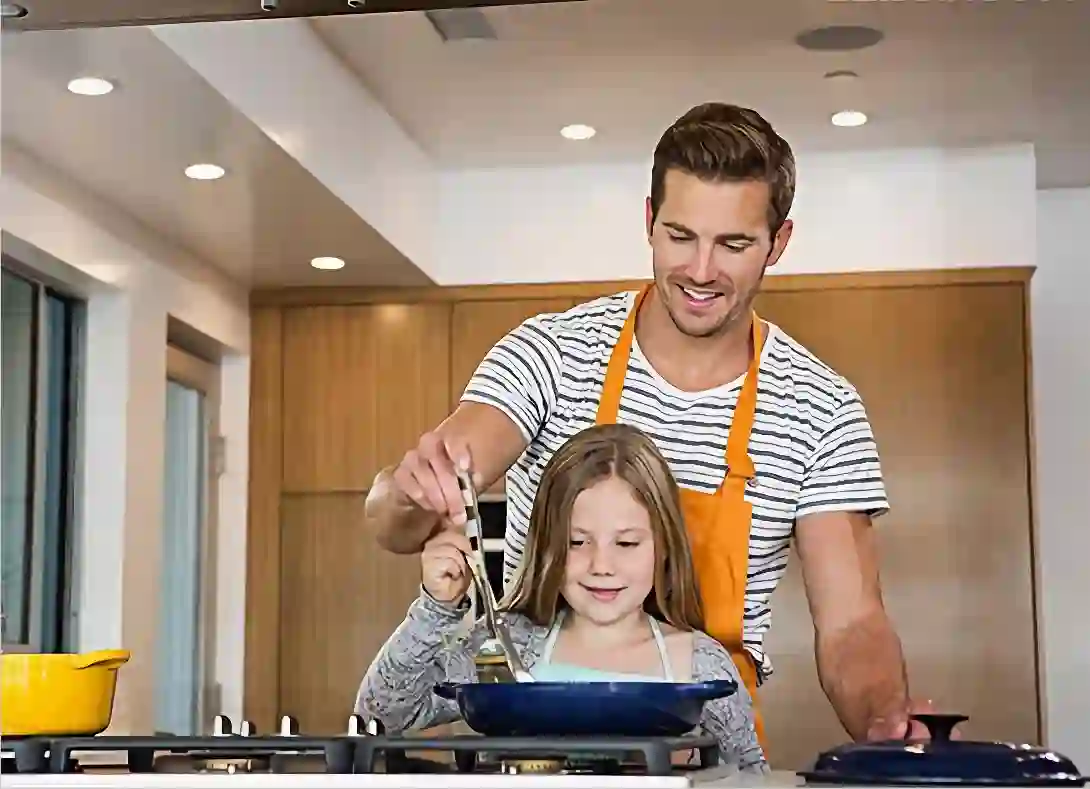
[701,268]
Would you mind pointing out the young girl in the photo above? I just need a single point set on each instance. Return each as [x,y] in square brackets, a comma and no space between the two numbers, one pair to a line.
[607,593]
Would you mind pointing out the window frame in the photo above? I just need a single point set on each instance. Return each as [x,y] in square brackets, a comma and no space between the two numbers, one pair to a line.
[51,542]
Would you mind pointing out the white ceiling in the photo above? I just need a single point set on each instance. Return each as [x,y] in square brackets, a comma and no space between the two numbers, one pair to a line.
[260,225]
[947,73]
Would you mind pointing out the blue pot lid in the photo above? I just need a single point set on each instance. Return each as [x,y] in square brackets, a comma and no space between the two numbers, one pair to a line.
[943,761]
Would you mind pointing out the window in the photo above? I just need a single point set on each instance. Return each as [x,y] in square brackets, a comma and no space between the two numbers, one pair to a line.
[41,332]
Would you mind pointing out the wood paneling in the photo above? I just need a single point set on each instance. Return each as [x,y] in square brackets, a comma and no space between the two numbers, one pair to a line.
[261,680]
[942,372]
[343,383]
[360,385]
[341,597]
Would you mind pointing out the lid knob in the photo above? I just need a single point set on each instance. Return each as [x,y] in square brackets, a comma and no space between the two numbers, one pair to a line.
[940,725]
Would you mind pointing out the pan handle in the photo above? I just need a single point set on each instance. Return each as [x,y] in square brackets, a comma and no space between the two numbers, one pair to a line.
[446,690]
[104,658]
[707,691]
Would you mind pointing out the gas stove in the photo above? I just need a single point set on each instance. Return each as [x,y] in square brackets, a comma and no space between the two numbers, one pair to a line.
[364,756]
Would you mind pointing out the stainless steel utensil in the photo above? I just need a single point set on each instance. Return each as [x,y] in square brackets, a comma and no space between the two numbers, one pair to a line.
[497,660]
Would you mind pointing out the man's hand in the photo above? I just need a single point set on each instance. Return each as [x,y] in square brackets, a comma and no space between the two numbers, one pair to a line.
[859,658]
[411,501]
[428,476]
[897,724]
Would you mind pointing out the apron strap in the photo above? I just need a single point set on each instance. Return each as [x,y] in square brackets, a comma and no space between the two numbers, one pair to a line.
[739,463]
[550,640]
[609,404]
[660,642]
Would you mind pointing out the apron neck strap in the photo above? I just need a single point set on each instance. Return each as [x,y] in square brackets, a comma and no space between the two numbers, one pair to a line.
[739,463]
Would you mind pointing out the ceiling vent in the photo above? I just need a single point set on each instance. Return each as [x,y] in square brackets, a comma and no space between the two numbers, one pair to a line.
[461,24]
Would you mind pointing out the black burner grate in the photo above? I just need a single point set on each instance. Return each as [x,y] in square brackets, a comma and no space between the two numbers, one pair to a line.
[367,750]
[653,754]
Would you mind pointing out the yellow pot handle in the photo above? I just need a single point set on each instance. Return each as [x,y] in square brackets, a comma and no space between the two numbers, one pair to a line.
[104,658]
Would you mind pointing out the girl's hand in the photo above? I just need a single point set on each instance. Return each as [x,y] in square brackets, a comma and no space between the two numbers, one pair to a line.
[444,573]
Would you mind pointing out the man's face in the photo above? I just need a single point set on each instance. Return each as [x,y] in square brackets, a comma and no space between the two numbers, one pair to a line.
[710,246]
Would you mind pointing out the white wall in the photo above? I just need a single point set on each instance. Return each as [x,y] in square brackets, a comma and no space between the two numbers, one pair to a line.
[862,211]
[133,281]
[1061,371]
[881,210]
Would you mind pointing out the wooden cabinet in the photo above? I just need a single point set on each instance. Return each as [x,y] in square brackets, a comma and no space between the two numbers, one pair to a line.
[940,358]
[360,384]
[341,597]
[942,373]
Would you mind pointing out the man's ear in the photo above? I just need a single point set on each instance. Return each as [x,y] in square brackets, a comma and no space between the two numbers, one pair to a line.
[779,243]
[649,219]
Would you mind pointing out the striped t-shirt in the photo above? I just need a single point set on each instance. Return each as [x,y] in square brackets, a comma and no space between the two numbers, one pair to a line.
[812,444]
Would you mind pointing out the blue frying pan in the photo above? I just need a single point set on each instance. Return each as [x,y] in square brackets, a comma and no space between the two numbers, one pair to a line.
[588,709]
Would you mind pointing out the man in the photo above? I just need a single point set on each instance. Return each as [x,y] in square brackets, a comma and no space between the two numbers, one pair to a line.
[764,439]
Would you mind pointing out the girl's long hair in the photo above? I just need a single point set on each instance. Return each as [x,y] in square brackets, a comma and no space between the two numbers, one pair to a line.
[588,457]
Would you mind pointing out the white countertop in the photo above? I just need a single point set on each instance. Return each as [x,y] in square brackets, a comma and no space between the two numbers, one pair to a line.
[716,777]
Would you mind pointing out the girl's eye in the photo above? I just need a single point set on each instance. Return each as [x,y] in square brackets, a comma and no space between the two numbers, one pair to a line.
[576,543]
[628,544]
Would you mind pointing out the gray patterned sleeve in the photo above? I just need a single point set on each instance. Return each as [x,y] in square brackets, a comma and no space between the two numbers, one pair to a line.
[432,645]
[730,720]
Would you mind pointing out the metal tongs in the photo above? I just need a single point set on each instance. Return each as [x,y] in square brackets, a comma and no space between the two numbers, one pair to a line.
[496,659]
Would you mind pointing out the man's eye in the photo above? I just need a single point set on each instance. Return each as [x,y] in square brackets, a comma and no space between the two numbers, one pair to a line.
[678,238]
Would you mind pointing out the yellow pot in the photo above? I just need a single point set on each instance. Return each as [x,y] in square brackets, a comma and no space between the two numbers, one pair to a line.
[58,694]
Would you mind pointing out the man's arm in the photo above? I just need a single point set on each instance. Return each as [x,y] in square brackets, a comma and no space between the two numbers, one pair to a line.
[859,658]
[482,434]
[507,400]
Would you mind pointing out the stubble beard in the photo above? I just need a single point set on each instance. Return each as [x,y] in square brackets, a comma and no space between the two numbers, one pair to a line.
[737,313]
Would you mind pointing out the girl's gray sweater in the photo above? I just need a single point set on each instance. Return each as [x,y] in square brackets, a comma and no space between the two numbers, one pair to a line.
[430,647]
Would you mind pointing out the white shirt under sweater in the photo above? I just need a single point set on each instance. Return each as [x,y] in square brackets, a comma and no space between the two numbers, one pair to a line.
[812,444]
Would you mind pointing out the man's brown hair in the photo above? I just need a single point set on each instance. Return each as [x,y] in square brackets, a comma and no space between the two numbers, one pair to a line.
[724,142]
[590,456]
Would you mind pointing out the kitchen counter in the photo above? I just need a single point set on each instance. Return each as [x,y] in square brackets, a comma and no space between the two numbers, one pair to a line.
[716,777]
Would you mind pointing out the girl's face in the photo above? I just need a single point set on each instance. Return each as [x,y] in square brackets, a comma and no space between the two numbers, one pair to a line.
[611,559]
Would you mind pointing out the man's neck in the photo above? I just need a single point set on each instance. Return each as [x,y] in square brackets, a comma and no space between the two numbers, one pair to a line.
[693,364]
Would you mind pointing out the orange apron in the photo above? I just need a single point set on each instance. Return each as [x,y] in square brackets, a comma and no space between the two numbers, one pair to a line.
[718,523]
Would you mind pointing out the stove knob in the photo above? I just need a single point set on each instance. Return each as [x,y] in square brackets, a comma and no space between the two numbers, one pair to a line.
[246,729]
[289,727]
[355,726]
[221,726]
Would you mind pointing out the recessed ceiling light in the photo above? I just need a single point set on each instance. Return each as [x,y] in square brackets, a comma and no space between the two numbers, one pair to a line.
[327,263]
[849,118]
[90,86]
[204,172]
[578,131]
